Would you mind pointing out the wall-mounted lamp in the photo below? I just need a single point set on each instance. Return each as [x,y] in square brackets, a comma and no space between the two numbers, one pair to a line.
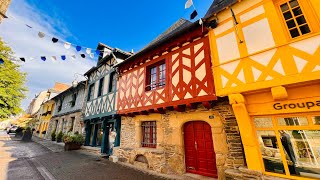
[212,24]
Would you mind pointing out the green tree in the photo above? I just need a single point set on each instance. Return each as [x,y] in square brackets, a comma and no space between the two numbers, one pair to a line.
[12,89]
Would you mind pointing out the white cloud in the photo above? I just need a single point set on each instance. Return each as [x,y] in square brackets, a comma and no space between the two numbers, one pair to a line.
[26,43]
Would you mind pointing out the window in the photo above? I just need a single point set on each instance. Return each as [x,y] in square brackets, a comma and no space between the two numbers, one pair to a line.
[60,105]
[290,146]
[72,123]
[149,134]
[156,76]
[91,92]
[112,82]
[294,18]
[74,98]
[100,90]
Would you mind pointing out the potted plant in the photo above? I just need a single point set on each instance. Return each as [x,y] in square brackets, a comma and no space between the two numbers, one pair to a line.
[59,136]
[27,134]
[53,135]
[73,141]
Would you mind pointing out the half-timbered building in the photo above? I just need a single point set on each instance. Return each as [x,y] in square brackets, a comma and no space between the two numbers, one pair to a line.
[172,121]
[266,60]
[102,125]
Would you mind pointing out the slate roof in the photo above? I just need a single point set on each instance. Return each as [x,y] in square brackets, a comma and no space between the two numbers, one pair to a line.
[178,28]
[219,5]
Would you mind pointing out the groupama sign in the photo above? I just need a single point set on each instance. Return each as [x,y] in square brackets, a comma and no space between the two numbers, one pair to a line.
[308,105]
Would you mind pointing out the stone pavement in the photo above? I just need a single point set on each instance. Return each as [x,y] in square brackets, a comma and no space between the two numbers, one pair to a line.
[46,160]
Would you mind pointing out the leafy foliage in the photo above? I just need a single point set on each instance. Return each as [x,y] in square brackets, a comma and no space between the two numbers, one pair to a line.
[12,89]
[73,138]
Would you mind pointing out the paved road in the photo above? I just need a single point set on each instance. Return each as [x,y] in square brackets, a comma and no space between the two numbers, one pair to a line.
[30,160]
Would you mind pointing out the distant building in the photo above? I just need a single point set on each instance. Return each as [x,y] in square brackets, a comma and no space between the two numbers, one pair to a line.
[67,116]
[46,107]
[4,4]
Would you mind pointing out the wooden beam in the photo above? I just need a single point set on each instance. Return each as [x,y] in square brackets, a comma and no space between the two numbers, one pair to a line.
[144,113]
[192,105]
[169,108]
[151,110]
[206,104]
[161,110]
[180,108]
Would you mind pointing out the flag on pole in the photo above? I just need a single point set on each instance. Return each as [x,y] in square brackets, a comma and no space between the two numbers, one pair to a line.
[193,14]
[188,4]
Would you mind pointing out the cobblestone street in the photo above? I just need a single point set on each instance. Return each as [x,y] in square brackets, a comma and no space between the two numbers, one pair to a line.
[32,160]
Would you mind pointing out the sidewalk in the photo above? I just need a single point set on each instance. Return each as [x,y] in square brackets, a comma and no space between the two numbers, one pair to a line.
[59,147]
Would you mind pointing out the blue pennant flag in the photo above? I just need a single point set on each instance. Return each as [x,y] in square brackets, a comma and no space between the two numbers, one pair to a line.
[43,58]
[1,61]
[78,48]
[63,57]
[97,52]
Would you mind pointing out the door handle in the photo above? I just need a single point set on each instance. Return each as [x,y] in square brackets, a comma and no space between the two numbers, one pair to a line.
[196,145]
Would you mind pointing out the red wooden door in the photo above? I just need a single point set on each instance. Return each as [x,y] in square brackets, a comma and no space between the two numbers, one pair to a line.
[199,153]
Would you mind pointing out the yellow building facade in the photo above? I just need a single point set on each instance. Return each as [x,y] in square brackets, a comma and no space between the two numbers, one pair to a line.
[45,115]
[266,59]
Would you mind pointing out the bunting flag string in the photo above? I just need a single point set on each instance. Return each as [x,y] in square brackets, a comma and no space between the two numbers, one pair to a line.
[44,58]
[194,13]
[67,45]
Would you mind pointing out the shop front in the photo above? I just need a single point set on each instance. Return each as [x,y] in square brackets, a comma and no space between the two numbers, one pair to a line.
[284,135]
[103,133]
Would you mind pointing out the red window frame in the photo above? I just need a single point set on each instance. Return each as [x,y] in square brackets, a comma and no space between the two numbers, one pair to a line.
[156,76]
[149,134]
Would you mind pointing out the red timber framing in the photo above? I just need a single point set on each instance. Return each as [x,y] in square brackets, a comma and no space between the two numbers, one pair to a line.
[188,82]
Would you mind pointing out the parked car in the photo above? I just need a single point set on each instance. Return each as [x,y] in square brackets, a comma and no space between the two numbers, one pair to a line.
[12,129]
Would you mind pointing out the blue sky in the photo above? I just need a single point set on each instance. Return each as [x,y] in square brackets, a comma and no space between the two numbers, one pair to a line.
[124,24]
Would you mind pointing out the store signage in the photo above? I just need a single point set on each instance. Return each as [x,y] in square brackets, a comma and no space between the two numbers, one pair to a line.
[308,105]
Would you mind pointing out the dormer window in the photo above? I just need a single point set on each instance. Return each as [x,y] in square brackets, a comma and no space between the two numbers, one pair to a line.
[156,76]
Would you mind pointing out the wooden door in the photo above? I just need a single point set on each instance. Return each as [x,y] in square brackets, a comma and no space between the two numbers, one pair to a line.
[200,157]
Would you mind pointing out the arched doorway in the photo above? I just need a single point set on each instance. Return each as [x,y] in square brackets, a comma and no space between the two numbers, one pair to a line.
[200,157]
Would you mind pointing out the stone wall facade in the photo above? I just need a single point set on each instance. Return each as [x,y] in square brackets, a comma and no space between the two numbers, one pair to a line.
[64,124]
[168,157]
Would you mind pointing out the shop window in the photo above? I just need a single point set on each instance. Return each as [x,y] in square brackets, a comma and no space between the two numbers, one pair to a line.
[149,134]
[294,18]
[269,148]
[112,82]
[91,92]
[293,121]
[316,120]
[100,90]
[156,76]
[289,148]
[263,122]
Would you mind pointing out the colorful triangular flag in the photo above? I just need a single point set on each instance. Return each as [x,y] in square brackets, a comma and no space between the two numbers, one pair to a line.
[1,61]
[67,45]
[54,40]
[83,55]
[97,52]
[63,57]
[193,14]
[53,58]
[73,57]
[200,21]
[23,59]
[78,48]
[41,34]
[91,55]
[188,4]
[43,58]
[88,50]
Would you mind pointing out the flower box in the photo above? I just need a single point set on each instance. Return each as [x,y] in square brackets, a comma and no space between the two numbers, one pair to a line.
[71,146]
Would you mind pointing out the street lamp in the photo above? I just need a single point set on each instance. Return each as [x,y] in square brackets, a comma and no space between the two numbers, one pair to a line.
[75,81]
